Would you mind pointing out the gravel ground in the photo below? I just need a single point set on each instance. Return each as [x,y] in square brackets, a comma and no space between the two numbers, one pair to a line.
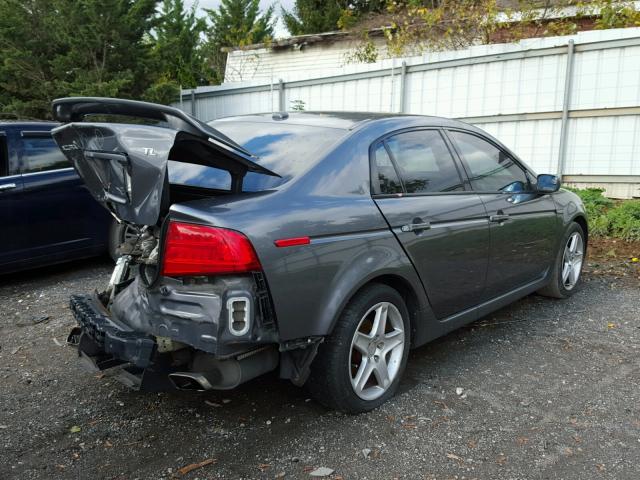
[541,389]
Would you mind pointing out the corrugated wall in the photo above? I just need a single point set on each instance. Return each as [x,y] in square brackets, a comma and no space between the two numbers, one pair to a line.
[514,91]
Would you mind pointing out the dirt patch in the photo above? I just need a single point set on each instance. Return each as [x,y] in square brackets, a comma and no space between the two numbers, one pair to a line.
[614,257]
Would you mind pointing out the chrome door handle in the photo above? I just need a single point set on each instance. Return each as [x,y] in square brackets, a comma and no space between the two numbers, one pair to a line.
[414,227]
[499,218]
[7,186]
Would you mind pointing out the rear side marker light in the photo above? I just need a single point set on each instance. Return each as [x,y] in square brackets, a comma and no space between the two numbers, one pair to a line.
[202,250]
[239,311]
[292,242]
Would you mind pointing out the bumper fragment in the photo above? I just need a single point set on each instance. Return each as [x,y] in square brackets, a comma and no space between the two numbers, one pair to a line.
[106,342]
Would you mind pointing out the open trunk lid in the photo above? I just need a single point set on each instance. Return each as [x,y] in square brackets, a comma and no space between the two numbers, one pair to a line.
[124,165]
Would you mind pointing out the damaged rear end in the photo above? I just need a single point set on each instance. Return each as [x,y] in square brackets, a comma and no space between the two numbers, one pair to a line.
[187,305]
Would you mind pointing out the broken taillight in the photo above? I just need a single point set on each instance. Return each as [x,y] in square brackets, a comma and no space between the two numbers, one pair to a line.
[192,249]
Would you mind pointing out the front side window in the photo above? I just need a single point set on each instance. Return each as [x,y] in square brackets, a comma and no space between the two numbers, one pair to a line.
[41,154]
[424,162]
[489,168]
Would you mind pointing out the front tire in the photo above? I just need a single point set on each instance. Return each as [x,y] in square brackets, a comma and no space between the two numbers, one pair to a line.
[360,364]
[567,269]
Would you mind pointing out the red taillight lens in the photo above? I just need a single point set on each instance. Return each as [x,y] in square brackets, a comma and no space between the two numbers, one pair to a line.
[200,250]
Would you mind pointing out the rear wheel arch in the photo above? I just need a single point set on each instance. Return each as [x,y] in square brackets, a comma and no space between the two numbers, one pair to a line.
[406,291]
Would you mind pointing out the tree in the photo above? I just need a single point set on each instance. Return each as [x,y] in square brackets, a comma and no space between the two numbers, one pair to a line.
[177,45]
[316,16]
[313,16]
[236,23]
[412,26]
[56,48]
[26,38]
[178,56]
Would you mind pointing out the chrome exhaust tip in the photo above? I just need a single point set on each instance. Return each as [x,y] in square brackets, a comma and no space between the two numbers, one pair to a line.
[212,373]
[195,382]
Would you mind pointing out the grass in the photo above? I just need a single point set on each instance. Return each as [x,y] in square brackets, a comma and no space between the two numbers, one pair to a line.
[609,218]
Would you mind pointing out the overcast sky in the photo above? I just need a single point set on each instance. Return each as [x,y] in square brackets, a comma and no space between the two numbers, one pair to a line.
[280,30]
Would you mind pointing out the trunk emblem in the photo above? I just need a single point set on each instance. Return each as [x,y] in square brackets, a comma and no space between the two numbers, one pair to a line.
[149,151]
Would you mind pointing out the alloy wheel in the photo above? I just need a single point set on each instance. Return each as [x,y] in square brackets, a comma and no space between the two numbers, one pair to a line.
[376,351]
[572,260]
[128,233]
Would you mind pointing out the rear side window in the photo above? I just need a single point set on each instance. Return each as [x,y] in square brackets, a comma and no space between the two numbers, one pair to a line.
[387,176]
[41,154]
[489,168]
[424,162]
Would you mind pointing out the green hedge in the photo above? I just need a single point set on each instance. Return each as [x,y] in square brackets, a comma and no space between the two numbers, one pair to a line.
[620,219]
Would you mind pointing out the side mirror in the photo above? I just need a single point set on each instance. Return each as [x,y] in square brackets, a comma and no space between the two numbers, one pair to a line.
[547,183]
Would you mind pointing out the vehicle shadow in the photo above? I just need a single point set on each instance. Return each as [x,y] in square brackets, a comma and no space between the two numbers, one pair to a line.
[75,269]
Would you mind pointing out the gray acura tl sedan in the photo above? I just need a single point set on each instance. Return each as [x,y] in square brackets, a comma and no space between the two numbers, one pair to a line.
[320,245]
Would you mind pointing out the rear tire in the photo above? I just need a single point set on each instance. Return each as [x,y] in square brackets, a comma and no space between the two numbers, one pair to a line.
[567,268]
[360,364]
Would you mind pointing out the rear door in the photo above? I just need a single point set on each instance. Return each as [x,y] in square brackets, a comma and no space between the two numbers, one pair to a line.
[442,226]
[55,200]
[523,222]
[13,225]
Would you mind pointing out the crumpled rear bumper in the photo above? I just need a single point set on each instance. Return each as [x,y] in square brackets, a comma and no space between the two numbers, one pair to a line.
[106,341]
[151,338]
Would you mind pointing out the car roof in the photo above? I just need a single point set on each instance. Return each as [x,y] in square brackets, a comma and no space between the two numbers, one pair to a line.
[340,120]
[27,123]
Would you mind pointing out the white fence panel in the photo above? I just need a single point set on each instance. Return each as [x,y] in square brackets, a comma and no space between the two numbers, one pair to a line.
[607,78]
[514,91]
[536,142]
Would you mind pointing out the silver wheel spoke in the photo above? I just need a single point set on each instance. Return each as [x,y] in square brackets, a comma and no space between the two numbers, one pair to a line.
[575,272]
[380,322]
[364,372]
[393,340]
[381,372]
[361,343]
[566,271]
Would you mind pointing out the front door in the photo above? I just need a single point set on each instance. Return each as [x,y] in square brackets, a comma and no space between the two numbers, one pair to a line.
[443,227]
[523,222]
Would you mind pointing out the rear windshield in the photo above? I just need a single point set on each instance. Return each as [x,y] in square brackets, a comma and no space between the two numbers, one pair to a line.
[285,149]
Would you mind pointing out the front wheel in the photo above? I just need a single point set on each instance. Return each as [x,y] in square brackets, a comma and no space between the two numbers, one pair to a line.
[359,365]
[567,268]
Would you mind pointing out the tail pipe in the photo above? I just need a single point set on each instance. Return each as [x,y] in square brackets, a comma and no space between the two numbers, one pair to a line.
[210,373]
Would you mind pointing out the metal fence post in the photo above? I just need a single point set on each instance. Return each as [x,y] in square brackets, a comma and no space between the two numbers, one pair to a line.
[281,100]
[568,83]
[403,87]
[193,102]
